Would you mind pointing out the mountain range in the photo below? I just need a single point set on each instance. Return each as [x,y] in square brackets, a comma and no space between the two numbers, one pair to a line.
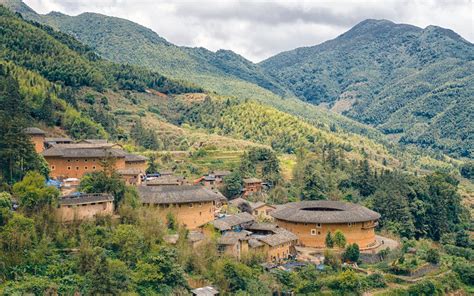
[414,85]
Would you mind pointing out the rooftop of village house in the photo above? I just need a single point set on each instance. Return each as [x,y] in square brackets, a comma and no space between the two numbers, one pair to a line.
[166,180]
[253,205]
[252,180]
[177,194]
[324,211]
[135,158]
[57,139]
[34,131]
[85,198]
[84,150]
[227,222]
[273,235]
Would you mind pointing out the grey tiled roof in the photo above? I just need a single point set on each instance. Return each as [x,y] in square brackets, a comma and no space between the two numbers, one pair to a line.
[34,131]
[83,150]
[166,180]
[205,291]
[130,171]
[324,211]
[231,238]
[135,158]
[252,180]
[85,199]
[177,194]
[281,237]
[53,140]
[230,221]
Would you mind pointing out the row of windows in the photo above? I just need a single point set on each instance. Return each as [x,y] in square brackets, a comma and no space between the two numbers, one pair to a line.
[190,205]
[85,160]
[70,168]
[318,225]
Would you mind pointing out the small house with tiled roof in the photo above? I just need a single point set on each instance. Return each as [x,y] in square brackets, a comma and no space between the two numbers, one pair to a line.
[79,207]
[252,186]
[37,137]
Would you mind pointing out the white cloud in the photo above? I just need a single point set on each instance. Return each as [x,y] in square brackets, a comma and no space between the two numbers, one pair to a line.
[259,29]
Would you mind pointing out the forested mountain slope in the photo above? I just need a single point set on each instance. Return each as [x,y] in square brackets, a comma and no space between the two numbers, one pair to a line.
[414,83]
[223,71]
[68,87]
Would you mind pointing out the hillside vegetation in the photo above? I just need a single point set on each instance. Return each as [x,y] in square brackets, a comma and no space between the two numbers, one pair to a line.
[415,84]
[223,72]
[410,83]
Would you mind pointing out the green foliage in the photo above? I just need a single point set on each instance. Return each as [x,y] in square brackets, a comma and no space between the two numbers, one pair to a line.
[17,153]
[127,243]
[33,194]
[351,253]
[263,160]
[233,184]
[152,165]
[465,272]
[339,239]
[329,241]
[467,170]
[432,256]
[403,79]
[144,137]
[101,182]
[346,282]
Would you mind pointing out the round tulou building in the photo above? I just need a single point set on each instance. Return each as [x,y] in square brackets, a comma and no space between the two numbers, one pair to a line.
[312,220]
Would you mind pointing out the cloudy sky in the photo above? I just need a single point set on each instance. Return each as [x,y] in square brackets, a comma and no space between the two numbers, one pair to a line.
[259,29]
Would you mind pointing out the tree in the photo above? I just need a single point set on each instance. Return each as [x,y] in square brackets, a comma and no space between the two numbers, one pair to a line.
[33,194]
[432,256]
[260,159]
[339,239]
[351,253]
[171,222]
[233,184]
[329,240]
[100,182]
[152,165]
[5,207]
[128,243]
[17,154]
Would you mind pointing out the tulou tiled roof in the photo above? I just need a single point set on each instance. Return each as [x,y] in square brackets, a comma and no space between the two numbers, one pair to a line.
[221,173]
[84,150]
[231,238]
[324,211]
[85,199]
[135,158]
[129,171]
[166,180]
[230,221]
[34,131]
[177,194]
[281,236]
[252,180]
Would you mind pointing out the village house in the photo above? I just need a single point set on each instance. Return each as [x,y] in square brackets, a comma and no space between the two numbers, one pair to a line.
[192,206]
[252,186]
[259,210]
[84,206]
[37,137]
[48,142]
[135,169]
[75,160]
[274,243]
[213,179]
[312,220]
[235,222]
[167,180]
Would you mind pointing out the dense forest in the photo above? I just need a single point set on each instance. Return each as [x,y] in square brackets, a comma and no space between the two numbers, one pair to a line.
[407,81]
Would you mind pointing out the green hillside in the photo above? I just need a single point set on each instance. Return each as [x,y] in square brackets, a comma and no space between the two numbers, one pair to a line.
[223,72]
[409,82]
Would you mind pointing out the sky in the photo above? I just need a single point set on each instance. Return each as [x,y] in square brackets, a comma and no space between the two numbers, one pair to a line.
[260,29]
